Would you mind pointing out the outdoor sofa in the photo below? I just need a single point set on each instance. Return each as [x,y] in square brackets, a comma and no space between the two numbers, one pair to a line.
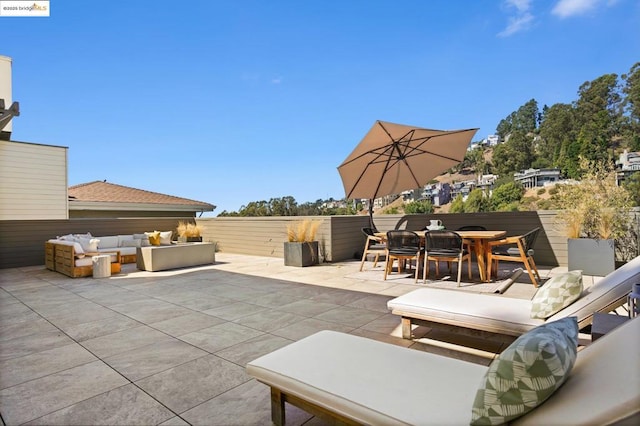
[72,254]
[474,313]
[361,381]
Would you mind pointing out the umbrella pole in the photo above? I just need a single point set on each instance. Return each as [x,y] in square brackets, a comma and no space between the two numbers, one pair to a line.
[371,213]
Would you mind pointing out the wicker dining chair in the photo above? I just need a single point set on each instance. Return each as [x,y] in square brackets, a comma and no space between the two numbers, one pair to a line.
[404,246]
[446,246]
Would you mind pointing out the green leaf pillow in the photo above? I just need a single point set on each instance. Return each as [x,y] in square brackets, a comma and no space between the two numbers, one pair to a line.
[556,294]
[526,373]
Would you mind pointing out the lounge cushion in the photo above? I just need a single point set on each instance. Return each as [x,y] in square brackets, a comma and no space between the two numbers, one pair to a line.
[372,382]
[492,313]
[556,294]
[528,372]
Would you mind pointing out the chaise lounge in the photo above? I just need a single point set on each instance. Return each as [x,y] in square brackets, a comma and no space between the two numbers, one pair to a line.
[474,313]
[349,379]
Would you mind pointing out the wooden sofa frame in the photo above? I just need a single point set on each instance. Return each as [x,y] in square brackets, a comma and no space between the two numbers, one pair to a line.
[61,258]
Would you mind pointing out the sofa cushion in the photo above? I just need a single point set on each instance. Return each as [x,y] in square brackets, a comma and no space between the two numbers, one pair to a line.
[143,238]
[124,238]
[108,242]
[556,294]
[165,238]
[130,243]
[525,374]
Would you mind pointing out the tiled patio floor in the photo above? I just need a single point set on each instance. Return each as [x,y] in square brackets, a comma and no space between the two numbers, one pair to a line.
[170,347]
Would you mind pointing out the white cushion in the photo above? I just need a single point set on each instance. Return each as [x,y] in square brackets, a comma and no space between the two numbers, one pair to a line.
[602,388]
[77,248]
[122,239]
[88,244]
[108,242]
[616,285]
[373,382]
[122,250]
[165,238]
[497,314]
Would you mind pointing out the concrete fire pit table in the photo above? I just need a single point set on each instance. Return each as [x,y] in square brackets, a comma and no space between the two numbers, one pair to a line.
[181,255]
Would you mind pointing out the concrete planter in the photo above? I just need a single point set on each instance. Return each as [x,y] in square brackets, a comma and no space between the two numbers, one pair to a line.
[594,257]
[301,254]
[190,239]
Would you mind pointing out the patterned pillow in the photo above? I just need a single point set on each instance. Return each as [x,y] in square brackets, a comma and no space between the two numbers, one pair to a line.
[526,373]
[556,294]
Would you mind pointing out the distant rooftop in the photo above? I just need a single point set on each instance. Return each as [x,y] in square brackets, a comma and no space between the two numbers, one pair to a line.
[106,192]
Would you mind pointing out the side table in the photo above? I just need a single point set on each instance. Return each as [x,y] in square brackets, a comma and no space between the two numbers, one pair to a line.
[604,323]
[101,266]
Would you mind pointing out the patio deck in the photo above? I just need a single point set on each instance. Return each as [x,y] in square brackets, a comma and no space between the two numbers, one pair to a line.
[170,347]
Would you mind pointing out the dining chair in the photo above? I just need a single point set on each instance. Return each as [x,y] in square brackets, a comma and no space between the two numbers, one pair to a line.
[404,246]
[372,245]
[446,246]
[518,248]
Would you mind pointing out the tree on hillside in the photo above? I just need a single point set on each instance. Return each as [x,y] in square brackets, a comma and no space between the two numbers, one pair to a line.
[477,201]
[514,155]
[632,185]
[631,107]
[506,197]
[525,120]
[556,132]
[419,207]
[457,205]
[598,116]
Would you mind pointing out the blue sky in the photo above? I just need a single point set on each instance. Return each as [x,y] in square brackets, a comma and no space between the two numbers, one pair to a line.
[236,101]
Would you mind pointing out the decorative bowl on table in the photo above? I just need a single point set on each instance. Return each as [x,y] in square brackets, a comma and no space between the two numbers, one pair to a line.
[435,227]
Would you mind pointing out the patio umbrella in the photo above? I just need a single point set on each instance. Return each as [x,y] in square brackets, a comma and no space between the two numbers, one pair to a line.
[392,158]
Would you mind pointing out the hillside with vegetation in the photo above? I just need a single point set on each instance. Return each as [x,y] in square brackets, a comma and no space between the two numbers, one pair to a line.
[590,132]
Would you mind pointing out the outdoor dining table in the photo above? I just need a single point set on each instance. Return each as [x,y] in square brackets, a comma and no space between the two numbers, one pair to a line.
[479,241]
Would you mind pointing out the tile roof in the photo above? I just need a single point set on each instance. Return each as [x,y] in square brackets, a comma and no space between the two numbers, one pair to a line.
[106,192]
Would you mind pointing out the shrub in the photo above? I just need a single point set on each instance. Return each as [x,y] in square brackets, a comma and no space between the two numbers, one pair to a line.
[188,229]
[419,207]
[302,231]
[595,207]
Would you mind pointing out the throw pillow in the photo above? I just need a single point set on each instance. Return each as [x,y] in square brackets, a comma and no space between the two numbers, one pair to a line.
[526,373]
[165,238]
[154,238]
[556,294]
[89,244]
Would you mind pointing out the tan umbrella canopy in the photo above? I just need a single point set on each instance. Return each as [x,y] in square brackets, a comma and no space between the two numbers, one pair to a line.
[392,158]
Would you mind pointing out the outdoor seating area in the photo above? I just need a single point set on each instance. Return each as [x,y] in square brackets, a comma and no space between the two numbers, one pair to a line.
[73,254]
[171,347]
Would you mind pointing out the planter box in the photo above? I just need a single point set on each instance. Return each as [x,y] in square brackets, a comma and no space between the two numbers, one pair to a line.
[190,239]
[301,254]
[594,257]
